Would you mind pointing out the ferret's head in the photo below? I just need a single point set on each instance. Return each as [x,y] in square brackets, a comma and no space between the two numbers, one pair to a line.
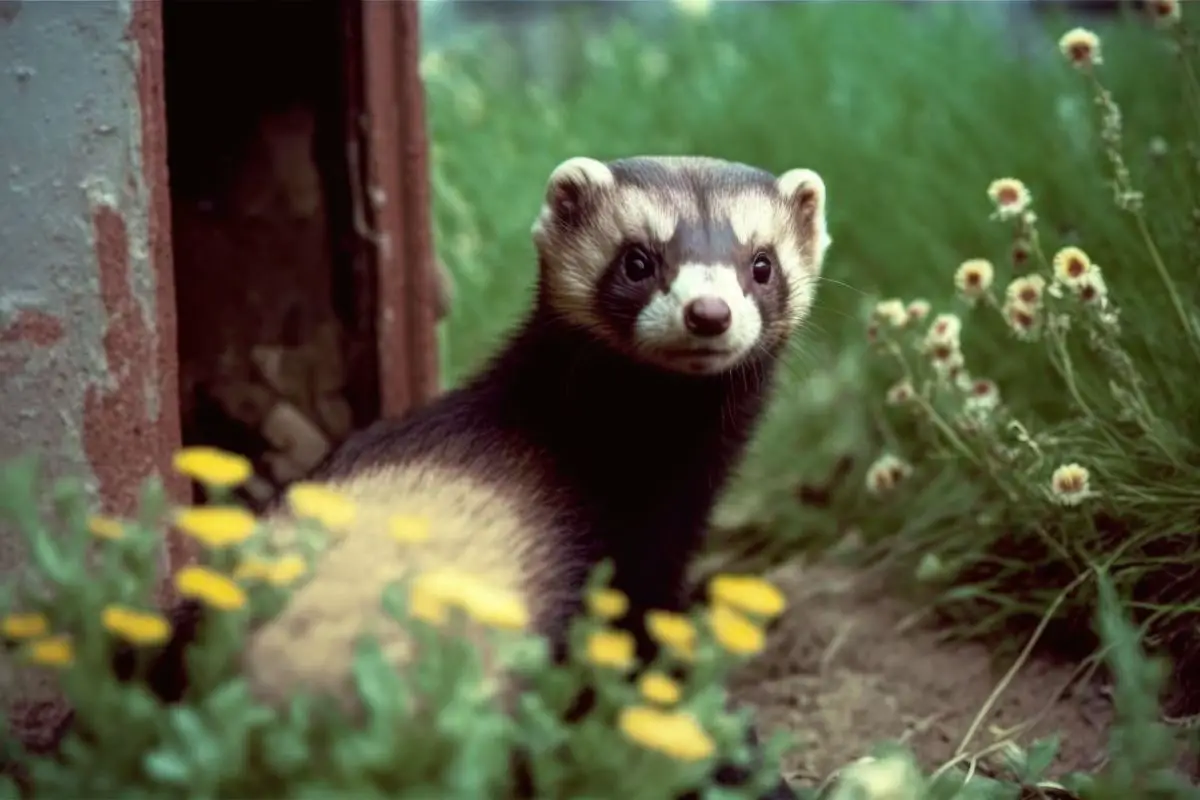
[691,264]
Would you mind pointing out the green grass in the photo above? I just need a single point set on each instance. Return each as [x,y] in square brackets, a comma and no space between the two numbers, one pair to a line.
[909,115]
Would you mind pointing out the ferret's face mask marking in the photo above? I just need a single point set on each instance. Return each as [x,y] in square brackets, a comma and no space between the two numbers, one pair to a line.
[690,264]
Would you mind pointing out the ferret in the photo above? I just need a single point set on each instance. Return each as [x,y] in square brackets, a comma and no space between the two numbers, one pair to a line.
[667,290]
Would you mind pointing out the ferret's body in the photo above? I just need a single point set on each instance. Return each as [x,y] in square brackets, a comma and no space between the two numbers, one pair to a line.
[604,429]
[558,456]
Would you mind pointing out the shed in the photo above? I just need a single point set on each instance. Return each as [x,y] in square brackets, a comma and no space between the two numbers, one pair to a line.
[214,230]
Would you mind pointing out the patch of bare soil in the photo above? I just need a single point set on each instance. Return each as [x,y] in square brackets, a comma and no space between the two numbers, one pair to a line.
[846,669]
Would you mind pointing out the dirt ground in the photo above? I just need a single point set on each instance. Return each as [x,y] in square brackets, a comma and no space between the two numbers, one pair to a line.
[840,673]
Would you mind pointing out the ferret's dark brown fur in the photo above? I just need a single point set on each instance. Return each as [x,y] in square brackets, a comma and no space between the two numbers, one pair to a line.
[605,428]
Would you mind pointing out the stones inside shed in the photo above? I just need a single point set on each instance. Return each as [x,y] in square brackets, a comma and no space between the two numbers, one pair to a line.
[301,244]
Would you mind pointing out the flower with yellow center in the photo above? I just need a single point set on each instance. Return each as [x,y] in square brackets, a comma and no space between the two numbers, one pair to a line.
[1069,485]
[1071,266]
[946,329]
[886,473]
[105,527]
[210,587]
[1022,319]
[1010,196]
[409,530]
[918,310]
[1165,12]
[53,651]
[893,312]
[216,526]
[610,648]
[28,625]
[734,632]
[674,733]
[334,511]
[135,627]
[607,603]
[1081,47]
[285,570]
[748,593]
[900,393]
[1092,289]
[659,688]
[974,277]
[1027,289]
[213,467]
[674,631]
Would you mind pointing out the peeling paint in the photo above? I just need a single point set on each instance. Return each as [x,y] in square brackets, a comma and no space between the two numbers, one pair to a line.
[87,327]
[33,326]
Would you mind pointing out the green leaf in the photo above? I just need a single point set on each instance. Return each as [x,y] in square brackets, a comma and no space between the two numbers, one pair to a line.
[1040,756]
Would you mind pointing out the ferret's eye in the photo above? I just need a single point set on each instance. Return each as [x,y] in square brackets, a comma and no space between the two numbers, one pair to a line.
[638,264]
[761,267]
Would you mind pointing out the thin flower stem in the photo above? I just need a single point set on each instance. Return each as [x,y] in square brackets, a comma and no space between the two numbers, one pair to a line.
[1189,329]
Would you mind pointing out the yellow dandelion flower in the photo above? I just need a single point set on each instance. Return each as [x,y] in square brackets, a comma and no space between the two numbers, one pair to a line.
[918,310]
[747,593]
[734,632]
[900,393]
[105,527]
[253,568]
[28,625]
[610,648]
[1027,290]
[1071,265]
[53,651]
[974,277]
[674,631]
[659,688]
[1070,484]
[135,627]
[1010,196]
[285,570]
[494,607]
[893,312]
[425,601]
[212,588]
[213,467]
[1081,47]
[1166,12]
[673,733]
[607,603]
[216,526]
[314,501]
[409,530]
[886,473]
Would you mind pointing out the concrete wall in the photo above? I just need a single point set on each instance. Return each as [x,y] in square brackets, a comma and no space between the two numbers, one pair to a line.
[87,321]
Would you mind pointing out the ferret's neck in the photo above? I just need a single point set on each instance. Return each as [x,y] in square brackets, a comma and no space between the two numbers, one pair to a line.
[646,450]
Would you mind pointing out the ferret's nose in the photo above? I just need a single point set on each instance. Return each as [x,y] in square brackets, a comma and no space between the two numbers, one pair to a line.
[707,316]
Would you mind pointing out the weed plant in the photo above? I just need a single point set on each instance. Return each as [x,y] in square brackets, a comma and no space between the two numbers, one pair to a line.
[435,727]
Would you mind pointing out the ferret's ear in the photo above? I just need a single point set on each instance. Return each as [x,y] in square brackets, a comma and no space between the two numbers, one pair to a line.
[573,186]
[804,190]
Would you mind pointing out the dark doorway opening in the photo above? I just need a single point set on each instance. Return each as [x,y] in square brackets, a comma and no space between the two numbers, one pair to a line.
[274,278]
